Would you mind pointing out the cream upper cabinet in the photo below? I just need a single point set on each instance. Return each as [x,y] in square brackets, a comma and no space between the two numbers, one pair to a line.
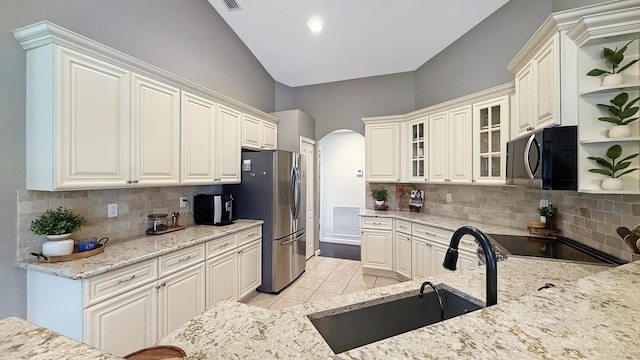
[78,122]
[418,149]
[490,136]
[259,134]
[523,121]
[155,136]
[228,149]
[382,150]
[450,146]
[546,85]
[198,131]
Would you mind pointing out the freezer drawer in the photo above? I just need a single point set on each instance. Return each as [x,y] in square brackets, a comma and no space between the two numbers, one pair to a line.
[288,259]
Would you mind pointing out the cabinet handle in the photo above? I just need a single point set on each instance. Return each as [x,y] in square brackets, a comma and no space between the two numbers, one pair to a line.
[430,234]
[161,285]
[252,234]
[377,223]
[468,243]
[135,181]
[122,281]
[184,258]
[129,181]
[447,180]
[223,245]
[240,252]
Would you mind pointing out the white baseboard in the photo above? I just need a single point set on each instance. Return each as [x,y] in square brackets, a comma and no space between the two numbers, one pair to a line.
[318,252]
[341,241]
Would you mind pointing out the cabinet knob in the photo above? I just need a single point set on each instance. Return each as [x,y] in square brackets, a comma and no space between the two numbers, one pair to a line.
[129,181]
[135,181]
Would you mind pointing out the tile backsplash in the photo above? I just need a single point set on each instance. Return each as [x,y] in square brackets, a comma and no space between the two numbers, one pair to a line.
[134,204]
[589,218]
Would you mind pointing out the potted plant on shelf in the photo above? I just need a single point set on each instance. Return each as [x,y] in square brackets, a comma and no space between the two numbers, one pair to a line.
[620,112]
[611,168]
[57,225]
[547,213]
[380,195]
[613,58]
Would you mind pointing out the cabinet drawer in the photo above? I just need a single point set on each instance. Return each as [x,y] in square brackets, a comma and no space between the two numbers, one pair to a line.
[249,235]
[374,222]
[221,245]
[180,259]
[468,243]
[403,226]
[112,283]
[432,233]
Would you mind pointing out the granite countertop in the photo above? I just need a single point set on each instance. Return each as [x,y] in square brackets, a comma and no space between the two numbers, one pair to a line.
[127,252]
[443,222]
[590,313]
[20,339]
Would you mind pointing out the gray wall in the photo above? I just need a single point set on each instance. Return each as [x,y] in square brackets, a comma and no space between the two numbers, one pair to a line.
[560,5]
[187,38]
[341,105]
[478,60]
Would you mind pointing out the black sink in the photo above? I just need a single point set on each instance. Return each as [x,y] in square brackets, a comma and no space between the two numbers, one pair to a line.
[374,320]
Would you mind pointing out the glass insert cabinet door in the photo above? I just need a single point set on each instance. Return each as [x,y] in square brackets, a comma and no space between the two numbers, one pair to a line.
[490,132]
[417,153]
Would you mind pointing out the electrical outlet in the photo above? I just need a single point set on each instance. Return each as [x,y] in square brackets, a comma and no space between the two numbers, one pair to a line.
[448,197]
[112,210]
[544,202]
[183,201]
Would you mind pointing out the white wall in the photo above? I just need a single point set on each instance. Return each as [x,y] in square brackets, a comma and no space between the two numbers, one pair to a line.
[341,156]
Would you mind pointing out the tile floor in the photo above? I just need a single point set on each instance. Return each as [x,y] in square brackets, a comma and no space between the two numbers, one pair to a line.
[324,278]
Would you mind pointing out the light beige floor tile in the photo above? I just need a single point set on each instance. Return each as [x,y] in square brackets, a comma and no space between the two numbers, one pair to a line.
[325,266]
[330,260]
[317,274]
[363,280]
[338,278]
[297,293]
[261,297]
[344,271]
[312,262]
[333,287]
[382,281]
[321,295]
[351,288]
[308,283]
[282,303]
[264,303]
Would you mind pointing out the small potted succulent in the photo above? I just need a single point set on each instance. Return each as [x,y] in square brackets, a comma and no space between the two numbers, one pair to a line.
[57,225]
[380,195]
[612,168]
[547,213]
[621,113]
[614,59]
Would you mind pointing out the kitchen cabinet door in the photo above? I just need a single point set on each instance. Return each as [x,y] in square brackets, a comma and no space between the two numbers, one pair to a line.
[546,85]
[438,147]
[460,152]
[222,275]
[249,268]
[251,131]
[523,121]
[377,249]
[78,126]
[438,252]
[181,297]
[155,135]
[382,152]
[420,257]
[198,134]
[228,149]
[124,323]
[403,255]
[490,136]
[269,136]
[418,150]
[467,260]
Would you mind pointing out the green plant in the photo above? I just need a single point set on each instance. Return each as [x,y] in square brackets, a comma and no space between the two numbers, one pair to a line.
[609,168]
[56,222]
[548,211]
[613,58]
[619,111]
[380,194]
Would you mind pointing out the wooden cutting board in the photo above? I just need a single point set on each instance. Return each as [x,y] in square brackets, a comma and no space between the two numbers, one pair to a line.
[162,352]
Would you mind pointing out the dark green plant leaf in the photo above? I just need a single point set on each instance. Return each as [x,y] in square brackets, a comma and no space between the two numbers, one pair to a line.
[626,172]
[629,157]
[628,121]
[614,152]
[601,171]
[598,72]
[607,53]
[620,99]
[602,162]
[627,66]
[621,166]
[626,113]
[610,119]
[631,103]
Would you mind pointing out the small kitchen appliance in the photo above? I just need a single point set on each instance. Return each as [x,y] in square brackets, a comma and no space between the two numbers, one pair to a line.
[213,209]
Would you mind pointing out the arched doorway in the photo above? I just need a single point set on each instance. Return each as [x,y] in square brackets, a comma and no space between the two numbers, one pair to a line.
[342,193]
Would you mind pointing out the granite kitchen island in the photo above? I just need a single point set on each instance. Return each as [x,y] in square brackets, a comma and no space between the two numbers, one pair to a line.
[589,313]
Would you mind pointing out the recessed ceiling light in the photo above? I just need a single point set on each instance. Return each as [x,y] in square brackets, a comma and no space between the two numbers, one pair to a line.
[315,24]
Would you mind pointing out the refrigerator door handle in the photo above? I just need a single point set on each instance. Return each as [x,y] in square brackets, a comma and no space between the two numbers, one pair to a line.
[298,193]
[293,240]
[292,201]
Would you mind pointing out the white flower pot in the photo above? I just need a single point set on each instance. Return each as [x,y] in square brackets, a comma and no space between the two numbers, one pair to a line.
[58,237]
[612,80]
[379,202]
[612,184]
[58,247]
[620,131]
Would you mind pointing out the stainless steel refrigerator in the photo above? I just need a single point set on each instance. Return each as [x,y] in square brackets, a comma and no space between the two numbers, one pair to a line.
[273,190]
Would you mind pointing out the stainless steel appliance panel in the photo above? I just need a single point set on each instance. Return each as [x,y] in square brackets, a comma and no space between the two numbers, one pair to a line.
[289,259]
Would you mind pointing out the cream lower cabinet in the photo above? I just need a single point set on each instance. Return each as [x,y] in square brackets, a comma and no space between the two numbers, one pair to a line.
[234,271]
[376,245]
[403,255]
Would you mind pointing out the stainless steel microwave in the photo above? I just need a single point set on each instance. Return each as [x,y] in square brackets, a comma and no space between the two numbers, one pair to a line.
[546,159]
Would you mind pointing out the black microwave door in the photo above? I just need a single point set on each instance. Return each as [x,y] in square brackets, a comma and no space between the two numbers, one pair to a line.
[560,170]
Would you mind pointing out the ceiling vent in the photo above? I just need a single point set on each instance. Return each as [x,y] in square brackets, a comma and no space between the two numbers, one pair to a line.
[232,5]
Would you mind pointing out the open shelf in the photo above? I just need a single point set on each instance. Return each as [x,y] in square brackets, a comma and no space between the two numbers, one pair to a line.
[615,88]
[610,140]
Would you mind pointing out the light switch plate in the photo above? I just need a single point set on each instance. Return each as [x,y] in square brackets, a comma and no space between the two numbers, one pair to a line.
[112,210]
[448,197]
[183,201]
